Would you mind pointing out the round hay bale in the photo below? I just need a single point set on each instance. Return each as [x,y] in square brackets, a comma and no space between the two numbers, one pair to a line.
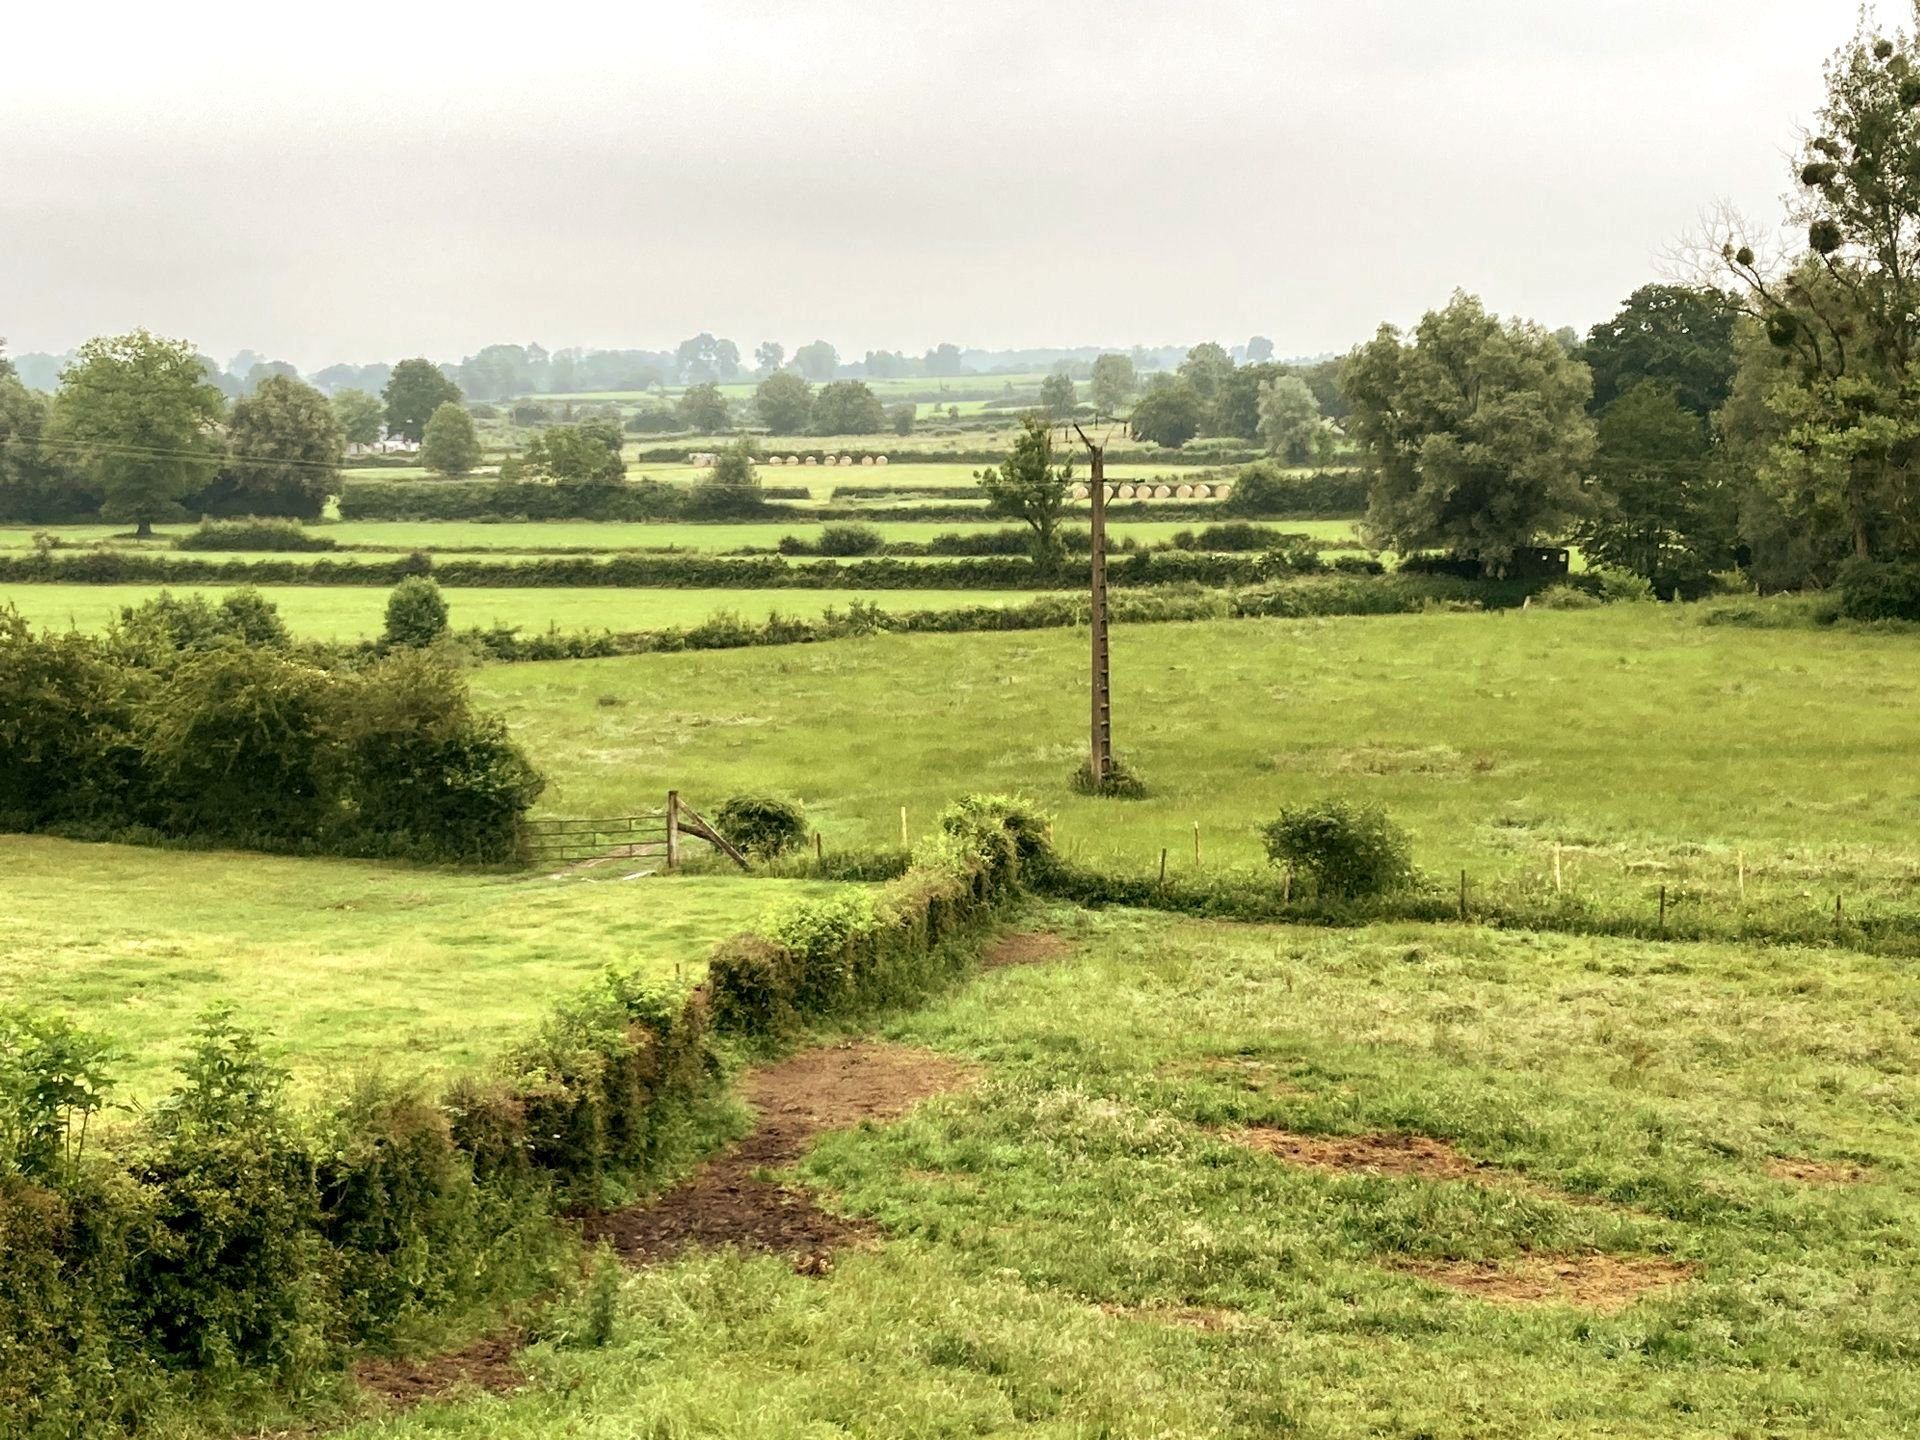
[879,459]
[811,461]
[771,460]
[1163,492]
[1080,492]
[793,459]
[1123,492]
[866,459]
[1201,492]
[1184,492]
[846,459]
[1221,492]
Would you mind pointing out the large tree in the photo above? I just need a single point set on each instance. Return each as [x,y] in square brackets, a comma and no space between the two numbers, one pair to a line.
[1678,337]
[451,447]
[35,485]
[848,407]
[415,390]
[704,408]
[1660,508]
[1030,488]
[284,448]
[576,454]
[1475,432]
[1057,396]
[784,403]
[817,360]
[1206,368]
[360,415]
[1845,315]
[140,416]
[768,356]
[1290,419]
[703,358]
[1112,384]
[1169,414]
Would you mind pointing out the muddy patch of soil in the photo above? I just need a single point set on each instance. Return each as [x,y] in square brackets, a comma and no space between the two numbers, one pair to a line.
[728,1202]
[1606,1283]
[1815,1172]
[1243,1072]
[1416,1156]
[1035,948]
[490,1363]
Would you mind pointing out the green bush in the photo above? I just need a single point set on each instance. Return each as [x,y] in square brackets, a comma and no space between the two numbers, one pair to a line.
[1870,591]
[1348,851]
[1565,597]
[416,614]
[1122,782]
[843,540]
[762,825]
[1265,489]
[252,534]
[158,631]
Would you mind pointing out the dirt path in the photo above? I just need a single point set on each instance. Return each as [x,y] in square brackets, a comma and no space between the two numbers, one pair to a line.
[726,1202]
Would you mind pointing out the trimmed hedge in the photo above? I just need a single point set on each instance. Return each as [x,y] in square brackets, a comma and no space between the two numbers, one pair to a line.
[223,1237]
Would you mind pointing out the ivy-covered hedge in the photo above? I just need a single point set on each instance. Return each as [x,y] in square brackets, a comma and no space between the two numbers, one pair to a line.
[224,1244]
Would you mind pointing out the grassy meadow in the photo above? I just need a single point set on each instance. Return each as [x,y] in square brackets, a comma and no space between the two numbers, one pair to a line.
[1653,749]
[341,965]
[1091,1241]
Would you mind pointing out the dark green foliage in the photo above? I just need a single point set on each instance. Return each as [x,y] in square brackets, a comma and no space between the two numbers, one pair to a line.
[1267,490]
[1030,488]
[1169,415]
[423,773]
[155,632]
[1348,851]
[730,488]
[67,752]
[1237,535]
[586,453]
[416,614]
[284,447]
[414,391]
[1673,336]
[234,745]
[848,407]
[1879,592]
[251,533]
[54,1078]
[842,540]
[762,825]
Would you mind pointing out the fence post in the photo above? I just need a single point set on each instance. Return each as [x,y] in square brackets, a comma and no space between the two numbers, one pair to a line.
[905,844]
[1163,867]
[1196,844]
[1463,894]
[673,829]
[1663,909]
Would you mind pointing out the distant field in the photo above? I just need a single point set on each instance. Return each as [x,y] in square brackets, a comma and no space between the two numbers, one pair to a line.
[343,965]
[899,473]
[1653,749]
[347,612]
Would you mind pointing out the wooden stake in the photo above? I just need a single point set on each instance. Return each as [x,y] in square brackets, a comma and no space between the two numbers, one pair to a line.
[1163,867]
[1836,912]
[673,829]
[818,849]
[1663,909]
[904,843]
[1196,844]
[1556,868]
[1743,877]
[1463,894]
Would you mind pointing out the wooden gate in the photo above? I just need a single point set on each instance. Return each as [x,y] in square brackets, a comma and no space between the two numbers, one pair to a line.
[646,835]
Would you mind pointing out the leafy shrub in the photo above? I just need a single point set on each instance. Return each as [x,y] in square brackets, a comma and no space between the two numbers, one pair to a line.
[1347,851]
[416,614]
[1267,489]
[66,722]
[762,825]
[1870,591]
[253,534]
[844,539]
[158,631]
[1565,597]
[1621,587]
[1234,535]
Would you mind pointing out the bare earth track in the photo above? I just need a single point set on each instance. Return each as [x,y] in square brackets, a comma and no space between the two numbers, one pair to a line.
[727,1201]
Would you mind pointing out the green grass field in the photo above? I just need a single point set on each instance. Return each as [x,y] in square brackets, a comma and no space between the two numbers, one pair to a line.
[348,612]
[341,965]
[1077,1245]
[1654,749]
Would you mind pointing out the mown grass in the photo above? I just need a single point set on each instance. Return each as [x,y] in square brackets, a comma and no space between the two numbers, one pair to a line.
[1655,751]
[1075,1247]
[342,965]
[349,612]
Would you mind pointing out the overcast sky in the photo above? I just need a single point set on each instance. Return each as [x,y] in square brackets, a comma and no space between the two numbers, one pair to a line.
[360,181]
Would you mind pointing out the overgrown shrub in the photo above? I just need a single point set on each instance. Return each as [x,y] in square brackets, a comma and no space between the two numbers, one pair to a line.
[1565,597]
[844,539]
[1265,489]
[1348,851]
[1122,781]
[158,631]
[1870,591]
[252,533]
[67,749]
[416,614]
[762,825]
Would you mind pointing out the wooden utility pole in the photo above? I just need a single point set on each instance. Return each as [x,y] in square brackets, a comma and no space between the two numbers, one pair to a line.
[1100,750]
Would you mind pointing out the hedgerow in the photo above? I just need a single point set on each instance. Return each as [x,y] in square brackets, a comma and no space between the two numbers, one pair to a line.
[226,1245]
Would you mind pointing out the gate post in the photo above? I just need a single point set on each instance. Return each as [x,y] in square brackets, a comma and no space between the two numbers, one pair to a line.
[673,829]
